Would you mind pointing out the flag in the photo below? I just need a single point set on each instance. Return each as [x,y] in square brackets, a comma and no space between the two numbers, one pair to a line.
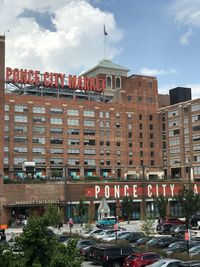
[105,32]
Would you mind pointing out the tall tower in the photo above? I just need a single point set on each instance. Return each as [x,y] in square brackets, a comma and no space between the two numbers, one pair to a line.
[2,96]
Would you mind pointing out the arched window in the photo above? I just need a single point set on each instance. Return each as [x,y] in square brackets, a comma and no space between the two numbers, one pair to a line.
[118,83]
[108,82]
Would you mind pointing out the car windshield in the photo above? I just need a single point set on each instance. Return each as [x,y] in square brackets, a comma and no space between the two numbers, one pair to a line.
[195,249]
[175,245]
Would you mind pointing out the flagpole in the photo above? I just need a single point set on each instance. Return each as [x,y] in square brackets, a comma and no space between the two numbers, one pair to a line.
[105,34]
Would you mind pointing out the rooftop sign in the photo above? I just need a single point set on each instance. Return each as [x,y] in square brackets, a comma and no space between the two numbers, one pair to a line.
[54,80]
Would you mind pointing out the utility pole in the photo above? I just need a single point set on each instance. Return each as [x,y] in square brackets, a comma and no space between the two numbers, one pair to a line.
[65,193]
[143,191]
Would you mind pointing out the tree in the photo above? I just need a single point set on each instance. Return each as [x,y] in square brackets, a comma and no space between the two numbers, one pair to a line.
[127,207]
[41,247]
[53,215]
[147,227]
[189,201]
[161,203]
[81,210]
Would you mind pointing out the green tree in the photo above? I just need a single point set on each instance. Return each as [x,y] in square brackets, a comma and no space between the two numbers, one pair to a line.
[81,210]
[53,215]
[37,243]
[127,207]
[161,203]
[147,227]
[66,256]
[189,201]
[41,248]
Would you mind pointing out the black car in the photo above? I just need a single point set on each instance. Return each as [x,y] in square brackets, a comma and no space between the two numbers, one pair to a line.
[164,228]
[111,255]
[164,242]
[178,230]
[132,237]
[85,243]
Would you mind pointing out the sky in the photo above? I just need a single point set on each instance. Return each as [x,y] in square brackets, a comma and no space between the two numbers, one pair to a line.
[152,37]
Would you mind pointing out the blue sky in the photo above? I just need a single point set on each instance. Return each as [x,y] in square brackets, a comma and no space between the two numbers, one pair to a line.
[152,37]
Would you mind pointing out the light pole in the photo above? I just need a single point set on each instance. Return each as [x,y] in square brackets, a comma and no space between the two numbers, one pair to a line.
[143,191]
[65,192]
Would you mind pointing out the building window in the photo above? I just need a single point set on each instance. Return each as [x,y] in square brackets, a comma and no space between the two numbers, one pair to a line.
[139,83]
[73,131]
[107,143]
[173,113]
[141,144]
[150,84]
[89,142]
[19,160]
[130,162]
[56,121]
[39,110]
[152,153]
[108,81]
[118,82]
[151,135]
[39,119]
[20,139]
[107,162]
[141,135]
[56,151]
[91,162]
[74,151]
[20,118]
[118,125]
[89,132]
[57,161]
[55,141]
[73,161]
[73,142]
[118,143]
[89,151]
[88,113]
[73,112]
[56,111]
[139,99]
[89,123]
[151,127]
[56,130]
[6,117]
[6,107]
[20,149]
[130,134]
[39,140]
[150,117]
[19,108]
[195,107]
[73,122]
[141,153]
[151,144]
[38,129]
[130,144]
[129,98]
[38,150]
[152,162]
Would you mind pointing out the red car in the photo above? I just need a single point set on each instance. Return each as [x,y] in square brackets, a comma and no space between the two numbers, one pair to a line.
[141,259]
[174,221]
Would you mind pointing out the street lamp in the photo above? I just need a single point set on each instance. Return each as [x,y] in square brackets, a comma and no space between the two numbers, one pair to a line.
[143,191]
[65,190]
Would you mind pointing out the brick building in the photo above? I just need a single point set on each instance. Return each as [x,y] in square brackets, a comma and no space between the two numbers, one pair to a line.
[60,145]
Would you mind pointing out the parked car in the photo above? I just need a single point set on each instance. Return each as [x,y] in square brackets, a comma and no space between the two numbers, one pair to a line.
[107,221]
[111,255]
[180,246]
[178,230]
[194,221]
[132,237]
[194,251]
[141,259]
[166,263]
[174,221]
[164,228]
[63,238]
[193,263]
[165,241]
[112,236]
[85,243]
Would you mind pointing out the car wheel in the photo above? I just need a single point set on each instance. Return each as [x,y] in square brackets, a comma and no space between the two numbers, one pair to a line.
[116,264]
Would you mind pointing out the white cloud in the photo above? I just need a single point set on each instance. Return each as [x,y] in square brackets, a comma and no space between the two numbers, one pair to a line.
[195,88]
[77,42]
[157,72]
[184,40]
[186,12]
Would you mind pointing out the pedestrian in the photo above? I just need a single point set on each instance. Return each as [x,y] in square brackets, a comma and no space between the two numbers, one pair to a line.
[71,223]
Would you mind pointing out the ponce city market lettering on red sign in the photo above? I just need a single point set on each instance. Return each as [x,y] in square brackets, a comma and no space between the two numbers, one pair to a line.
[55,80]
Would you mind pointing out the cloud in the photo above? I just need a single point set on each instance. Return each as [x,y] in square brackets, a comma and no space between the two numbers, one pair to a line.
[157,72]
[74,42]
[195,88]
[184,40]
[186,12]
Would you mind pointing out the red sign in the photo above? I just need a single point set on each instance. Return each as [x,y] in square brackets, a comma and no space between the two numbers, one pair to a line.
[55,80]
[136,190]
